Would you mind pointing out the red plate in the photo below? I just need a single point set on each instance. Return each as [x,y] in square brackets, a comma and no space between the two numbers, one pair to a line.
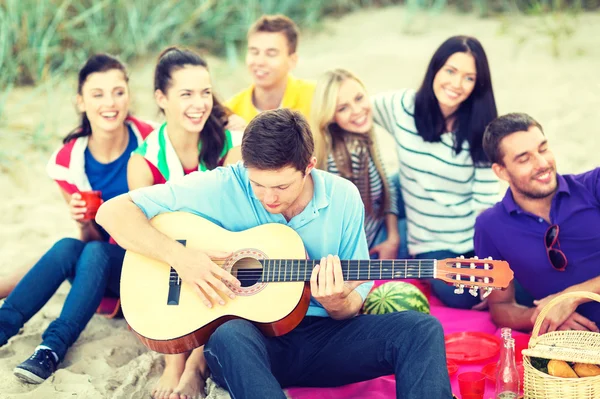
[490,371]
[471,347]
[452,367]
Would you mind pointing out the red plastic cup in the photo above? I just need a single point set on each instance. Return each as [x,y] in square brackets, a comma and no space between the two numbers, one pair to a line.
[92,199]
[471,385]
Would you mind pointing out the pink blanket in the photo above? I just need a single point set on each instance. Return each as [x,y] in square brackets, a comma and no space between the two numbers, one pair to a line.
[453,320]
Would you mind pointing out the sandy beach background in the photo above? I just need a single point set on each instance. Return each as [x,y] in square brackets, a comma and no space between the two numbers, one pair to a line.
[107,361]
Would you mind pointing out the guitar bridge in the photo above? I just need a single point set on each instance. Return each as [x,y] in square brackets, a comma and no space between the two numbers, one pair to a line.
[174,284]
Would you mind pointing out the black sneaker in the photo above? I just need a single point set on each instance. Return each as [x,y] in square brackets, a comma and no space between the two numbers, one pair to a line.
[35,370]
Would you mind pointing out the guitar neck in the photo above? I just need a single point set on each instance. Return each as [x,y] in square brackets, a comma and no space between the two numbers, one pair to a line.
[279,270]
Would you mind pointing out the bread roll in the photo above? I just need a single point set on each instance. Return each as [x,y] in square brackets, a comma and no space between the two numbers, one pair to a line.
[559,368]
[586,370]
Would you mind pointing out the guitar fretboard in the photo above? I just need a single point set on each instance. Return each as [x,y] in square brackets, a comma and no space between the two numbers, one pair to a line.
[279,270]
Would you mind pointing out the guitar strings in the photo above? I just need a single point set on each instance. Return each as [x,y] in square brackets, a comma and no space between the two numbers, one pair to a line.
[274,274]
[358,276]
[274,268]
[256,274]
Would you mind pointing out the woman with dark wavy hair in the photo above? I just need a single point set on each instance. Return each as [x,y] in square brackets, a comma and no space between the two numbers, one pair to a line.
[446,178]
[194,136]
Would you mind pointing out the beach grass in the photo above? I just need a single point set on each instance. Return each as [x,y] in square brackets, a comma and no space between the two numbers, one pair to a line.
[43,37]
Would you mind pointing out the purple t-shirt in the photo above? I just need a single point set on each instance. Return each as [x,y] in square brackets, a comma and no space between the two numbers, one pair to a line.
[507,232]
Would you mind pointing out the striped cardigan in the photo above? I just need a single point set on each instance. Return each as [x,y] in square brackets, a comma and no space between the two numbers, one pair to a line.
[443,192]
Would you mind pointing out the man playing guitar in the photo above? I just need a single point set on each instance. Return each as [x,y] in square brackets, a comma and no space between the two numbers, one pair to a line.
[332,345]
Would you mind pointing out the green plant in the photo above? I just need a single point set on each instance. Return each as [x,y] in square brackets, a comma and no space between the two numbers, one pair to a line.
[555,20]
[40,37]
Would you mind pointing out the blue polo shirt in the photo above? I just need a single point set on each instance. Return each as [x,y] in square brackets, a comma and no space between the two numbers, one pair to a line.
[508,232]
[332,222]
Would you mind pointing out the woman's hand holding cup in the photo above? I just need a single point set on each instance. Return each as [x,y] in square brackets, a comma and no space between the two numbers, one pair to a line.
[84,205]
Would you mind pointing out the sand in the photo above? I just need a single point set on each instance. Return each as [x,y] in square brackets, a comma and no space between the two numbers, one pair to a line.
[107,361]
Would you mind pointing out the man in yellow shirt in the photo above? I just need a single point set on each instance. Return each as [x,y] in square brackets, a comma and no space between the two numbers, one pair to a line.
[272,43]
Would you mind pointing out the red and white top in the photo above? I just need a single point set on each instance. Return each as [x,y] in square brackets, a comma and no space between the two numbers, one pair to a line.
[67,165]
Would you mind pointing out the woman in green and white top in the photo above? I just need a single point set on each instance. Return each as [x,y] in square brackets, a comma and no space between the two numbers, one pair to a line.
[193,138]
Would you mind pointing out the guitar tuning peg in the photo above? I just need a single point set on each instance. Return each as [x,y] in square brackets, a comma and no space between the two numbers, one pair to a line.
[473,290]
[490,258]
[461,257]
[475,257]
[487,292]
[460,289]
[472,265]
[486,266]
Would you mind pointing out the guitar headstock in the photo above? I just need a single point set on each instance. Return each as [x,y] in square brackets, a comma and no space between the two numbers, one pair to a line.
[475,274]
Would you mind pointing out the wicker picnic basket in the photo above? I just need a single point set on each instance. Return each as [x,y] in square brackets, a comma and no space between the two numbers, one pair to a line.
[570,346]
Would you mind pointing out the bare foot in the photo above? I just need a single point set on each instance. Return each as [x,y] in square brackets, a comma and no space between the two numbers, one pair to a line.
[174,367]
[191,385]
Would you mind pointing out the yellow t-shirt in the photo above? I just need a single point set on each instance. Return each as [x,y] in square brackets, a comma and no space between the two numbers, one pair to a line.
[298,97]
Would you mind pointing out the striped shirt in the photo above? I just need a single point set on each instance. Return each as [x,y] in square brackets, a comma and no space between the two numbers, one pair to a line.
[443,192]
[372,223]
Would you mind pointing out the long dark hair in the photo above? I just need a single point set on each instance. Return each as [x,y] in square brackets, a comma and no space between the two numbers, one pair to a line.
[213,133]
[96,63]
[473,115]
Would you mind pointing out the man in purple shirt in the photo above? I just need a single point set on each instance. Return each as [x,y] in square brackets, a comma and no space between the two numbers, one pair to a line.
[546,227]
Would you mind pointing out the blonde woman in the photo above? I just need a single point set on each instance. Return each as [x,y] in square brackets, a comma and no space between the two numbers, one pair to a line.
[346,145]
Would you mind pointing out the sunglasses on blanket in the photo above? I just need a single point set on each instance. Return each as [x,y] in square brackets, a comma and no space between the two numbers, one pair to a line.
[557,258]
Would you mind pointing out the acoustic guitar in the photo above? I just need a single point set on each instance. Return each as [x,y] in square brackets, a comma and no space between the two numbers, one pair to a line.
[270,262]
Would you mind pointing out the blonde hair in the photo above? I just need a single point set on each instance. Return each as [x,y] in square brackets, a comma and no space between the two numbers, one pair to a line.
[322,118]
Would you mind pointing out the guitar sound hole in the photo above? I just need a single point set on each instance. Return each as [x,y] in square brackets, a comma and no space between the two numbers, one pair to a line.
[248,271]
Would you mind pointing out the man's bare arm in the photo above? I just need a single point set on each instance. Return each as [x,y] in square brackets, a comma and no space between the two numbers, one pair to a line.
[131,229]
[561,315]
[506,312]
[348,308]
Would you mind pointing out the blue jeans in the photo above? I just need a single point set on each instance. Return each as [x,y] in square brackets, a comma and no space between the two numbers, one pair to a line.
[91,267]
[465,300]
[322,352]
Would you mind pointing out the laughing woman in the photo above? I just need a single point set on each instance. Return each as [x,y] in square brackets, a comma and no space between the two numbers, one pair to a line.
[193,138]
[94,157]
[346,145]
[445,177]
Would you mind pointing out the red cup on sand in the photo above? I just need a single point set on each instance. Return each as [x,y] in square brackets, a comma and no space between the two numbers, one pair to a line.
[92,199]
[471,385]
